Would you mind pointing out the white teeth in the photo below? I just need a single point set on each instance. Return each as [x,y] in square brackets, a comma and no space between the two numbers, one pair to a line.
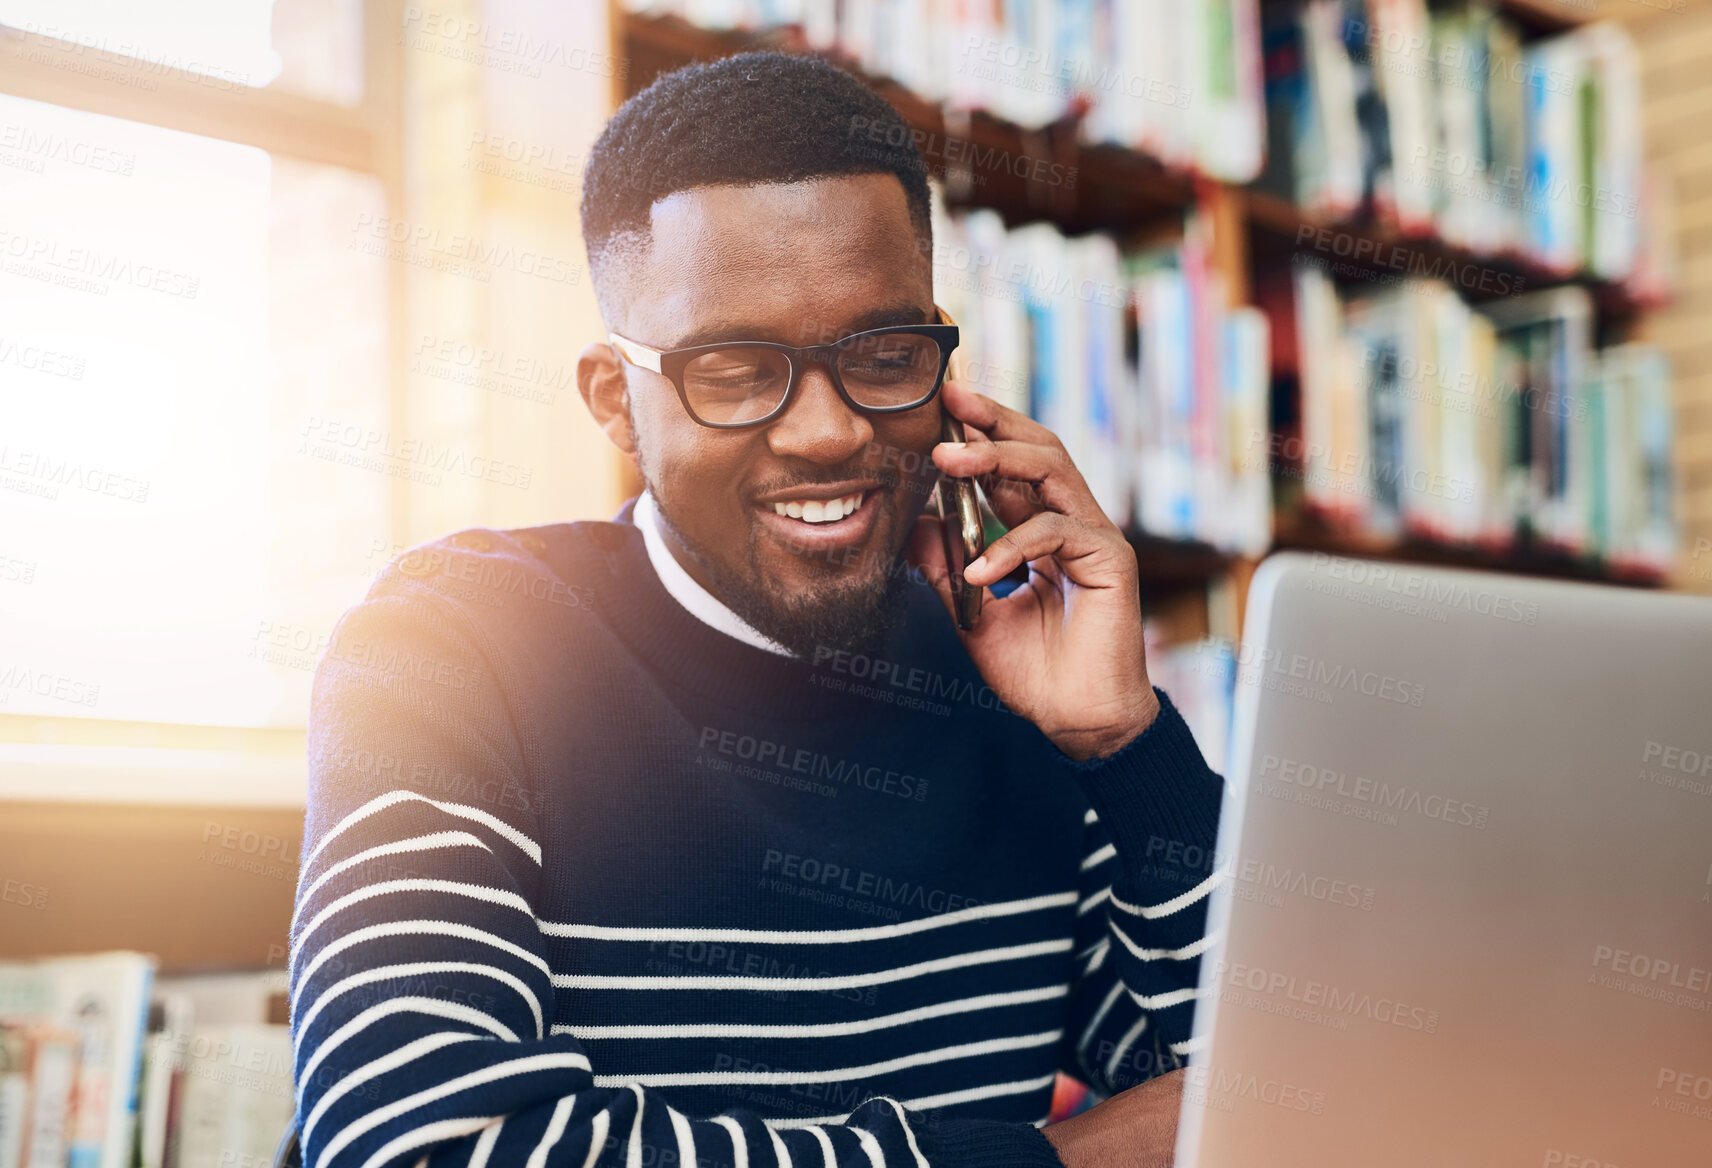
[821,510]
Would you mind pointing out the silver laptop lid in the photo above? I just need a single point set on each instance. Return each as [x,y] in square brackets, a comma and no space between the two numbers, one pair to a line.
[1468,918]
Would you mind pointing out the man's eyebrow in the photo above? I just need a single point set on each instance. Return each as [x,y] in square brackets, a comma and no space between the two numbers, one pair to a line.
[896,314]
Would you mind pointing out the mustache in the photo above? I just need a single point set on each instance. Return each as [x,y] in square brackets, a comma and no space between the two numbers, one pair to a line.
[885,476]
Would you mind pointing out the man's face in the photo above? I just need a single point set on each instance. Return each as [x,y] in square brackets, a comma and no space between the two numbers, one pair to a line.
[799,264]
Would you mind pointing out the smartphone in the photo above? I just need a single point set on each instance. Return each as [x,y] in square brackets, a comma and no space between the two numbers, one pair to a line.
[960,525]
[959,521]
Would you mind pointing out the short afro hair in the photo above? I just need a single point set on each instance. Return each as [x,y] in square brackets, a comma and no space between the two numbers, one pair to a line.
[744,120]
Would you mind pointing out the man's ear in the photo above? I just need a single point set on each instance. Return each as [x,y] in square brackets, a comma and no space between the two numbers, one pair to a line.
[600,379]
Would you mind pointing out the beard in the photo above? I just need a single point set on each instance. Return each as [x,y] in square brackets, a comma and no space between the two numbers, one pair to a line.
[844,611]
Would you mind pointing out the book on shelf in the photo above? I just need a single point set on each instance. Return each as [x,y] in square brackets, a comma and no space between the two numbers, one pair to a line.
[102,1065]
[102,1002]
[1158,391]
[1444,121]
[1178,79]
[1480,425]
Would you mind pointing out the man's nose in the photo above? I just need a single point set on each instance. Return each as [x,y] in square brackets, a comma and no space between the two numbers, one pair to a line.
[819,425]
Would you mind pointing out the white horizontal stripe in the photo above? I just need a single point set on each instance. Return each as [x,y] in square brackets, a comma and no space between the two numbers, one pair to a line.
[1167,999]
[392,1060]
[594,981]
[876,1158]
[909,1132]
[1087,906]
[1096,858]
[817,1029]
[739,1145]
[1176,903]
[422,843]
[430,1133]
[597,1137]
[920,1058]
[476,1078]
[392,798]
[948,1099]
[1194,949]
[1190,1045]
[454,1011]
[554,1133]
[411,969]
[808,936]
[411,928]
[387,887]
[1090,817]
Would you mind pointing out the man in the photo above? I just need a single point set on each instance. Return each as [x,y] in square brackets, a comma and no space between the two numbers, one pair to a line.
[703,836]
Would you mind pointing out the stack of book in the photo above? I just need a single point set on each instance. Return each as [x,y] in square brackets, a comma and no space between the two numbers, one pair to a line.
[1445,122]
[103,1066]
[1178,79]
[1158,391]
[1481,425]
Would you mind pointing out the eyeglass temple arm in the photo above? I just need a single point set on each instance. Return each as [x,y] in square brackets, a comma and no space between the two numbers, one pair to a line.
[640,356]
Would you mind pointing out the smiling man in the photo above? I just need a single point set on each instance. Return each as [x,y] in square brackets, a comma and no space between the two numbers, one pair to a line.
[703,836]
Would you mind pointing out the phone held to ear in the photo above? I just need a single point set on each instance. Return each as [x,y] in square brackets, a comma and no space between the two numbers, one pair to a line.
[960,525]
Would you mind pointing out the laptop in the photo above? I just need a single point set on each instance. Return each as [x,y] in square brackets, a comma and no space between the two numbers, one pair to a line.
[1467,916]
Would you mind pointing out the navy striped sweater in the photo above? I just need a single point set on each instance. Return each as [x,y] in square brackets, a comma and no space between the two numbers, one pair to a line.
[587,882]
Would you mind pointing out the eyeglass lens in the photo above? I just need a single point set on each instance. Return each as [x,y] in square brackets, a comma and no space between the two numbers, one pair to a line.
[744,383]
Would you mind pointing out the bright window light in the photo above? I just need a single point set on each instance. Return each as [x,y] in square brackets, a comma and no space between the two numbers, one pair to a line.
[223,39]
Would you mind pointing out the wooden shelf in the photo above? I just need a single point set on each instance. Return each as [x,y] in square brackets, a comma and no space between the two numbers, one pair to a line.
[1025,175]
[1386,252]
[1303,533]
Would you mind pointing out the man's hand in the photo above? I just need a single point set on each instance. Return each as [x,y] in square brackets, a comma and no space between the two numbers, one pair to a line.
[1065,649]
[1133,1129]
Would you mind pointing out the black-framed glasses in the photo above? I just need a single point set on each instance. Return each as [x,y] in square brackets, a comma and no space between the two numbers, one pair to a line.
[732,384]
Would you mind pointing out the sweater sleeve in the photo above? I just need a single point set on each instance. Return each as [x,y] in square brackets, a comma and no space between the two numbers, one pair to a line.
[422,1005]
[1147,870]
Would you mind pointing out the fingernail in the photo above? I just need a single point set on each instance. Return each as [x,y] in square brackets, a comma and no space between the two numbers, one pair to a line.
[954,445]
[975,565]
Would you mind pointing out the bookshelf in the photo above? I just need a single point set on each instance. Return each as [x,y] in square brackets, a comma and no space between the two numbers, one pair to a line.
[1253,234]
